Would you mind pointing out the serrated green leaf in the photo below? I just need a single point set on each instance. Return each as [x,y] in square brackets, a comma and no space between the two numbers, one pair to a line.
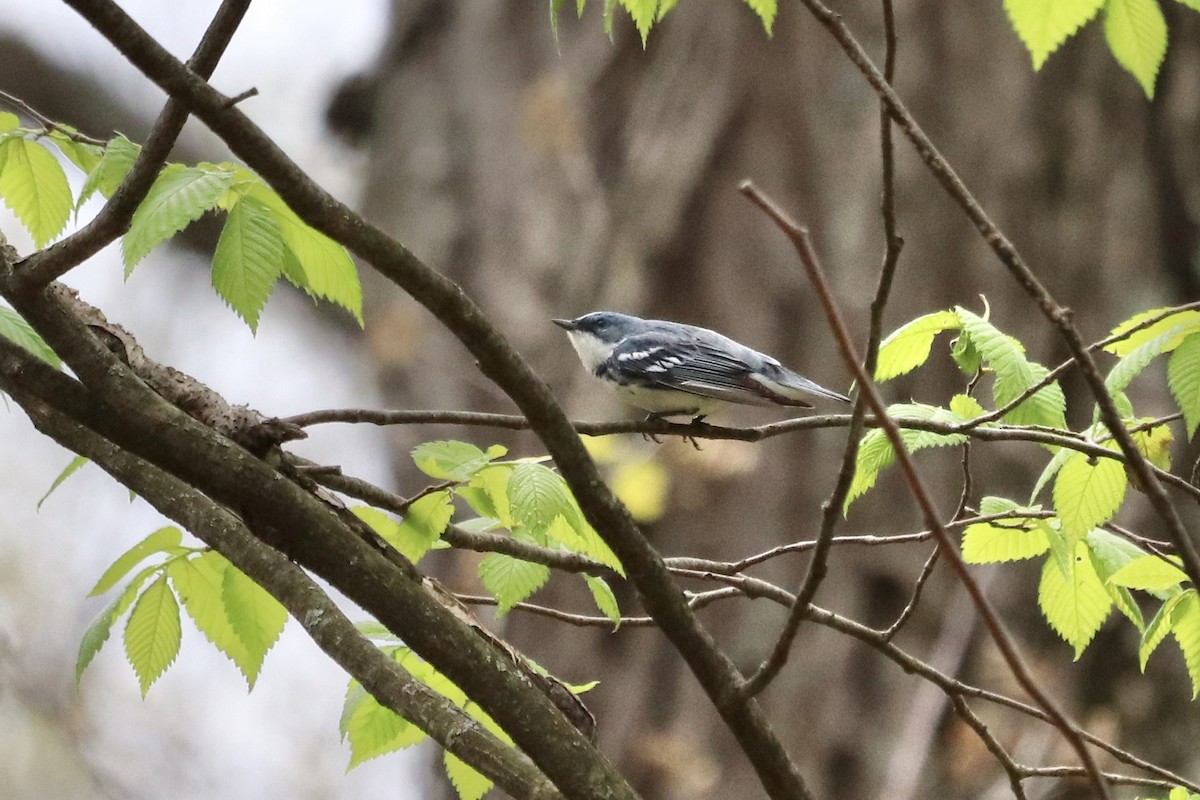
[199,584]
[1087,494]
[317,264]
[644,14]
[35,187]
[374,630]
[1183,376]
[423,525]
[1148,573]
[1186,321]
[373,730]
[1137,36]
[14,328]
[469,784]
[765,9]
[1003,539]
[115,163]
[256,617]
[161,540]
[966,356]
[153,634]
[511,580]
[98,632]
[179,196]
[537,495]
[493,482]
[1136,360]
[1185,627]
[581,537]
[875,451]
[606,601]
[1051,469]
[248,259]
[908,347]
[1110,553]
[1157,630]
[1043,25]
[965,406]
[451,460]
[9,121]
[81,154]
[68,471]
[1074,607]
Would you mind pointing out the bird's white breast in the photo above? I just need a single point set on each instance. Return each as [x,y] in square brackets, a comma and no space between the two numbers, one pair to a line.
[592,352]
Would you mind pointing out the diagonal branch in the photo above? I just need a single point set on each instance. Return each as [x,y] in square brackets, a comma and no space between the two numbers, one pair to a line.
[1008,649]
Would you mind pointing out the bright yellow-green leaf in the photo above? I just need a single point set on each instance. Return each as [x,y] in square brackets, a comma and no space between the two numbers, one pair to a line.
[644,14]
[1149,573]
[765,9]
[1154,444]
[1109,553]
[1075,607]
[115,163]
[469,784]
[965,406]
[373,730]
[152,634]
[257,618]
[1186,321]
[35,187]
[1087,494]
[318,265]
[492,481]
[1136,360]
[1158,629]
[1137,35]
[199,584]
[98,632]
[606,601]
[908,346]
[1185,626]
[451,460]
[68,471]
[14,328]
[1044,25]
[9,121]
[537,495]
[1183,376]
[179,196]
[511,580]
[248,259]
[1004,540]
[423,525]
[81,154]
[642,487]
[161,540]
[579,536]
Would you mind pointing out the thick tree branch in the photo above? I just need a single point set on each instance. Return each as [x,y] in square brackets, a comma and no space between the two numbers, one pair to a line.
[498,360]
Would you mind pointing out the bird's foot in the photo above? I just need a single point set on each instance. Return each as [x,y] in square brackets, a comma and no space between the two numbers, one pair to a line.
[697,421]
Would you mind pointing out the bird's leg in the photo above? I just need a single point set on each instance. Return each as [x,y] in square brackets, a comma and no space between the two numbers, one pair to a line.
[697,421]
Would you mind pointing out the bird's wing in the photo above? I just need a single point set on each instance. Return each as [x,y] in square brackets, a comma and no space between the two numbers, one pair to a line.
[691,366]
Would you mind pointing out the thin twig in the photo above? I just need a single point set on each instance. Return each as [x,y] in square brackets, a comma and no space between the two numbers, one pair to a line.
[907,612]
[996,629]
[1010,767]
[46,122]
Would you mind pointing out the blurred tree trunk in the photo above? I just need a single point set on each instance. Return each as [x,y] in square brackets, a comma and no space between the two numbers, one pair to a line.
[549,181]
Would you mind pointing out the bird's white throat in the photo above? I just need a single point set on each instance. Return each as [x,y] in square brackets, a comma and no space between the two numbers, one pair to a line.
[592,351]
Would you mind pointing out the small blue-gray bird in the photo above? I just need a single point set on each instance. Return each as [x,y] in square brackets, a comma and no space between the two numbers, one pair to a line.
[670,369]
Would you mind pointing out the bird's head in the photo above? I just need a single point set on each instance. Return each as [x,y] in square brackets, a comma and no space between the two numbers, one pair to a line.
[595,335]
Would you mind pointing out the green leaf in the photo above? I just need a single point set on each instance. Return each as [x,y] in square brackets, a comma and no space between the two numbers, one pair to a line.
[537,495]
[907,347]
[765,9]
[423,525]
[9,121]
[256,617]
[1043,25]
[98,632]
[1014,374]
[115,163]
[875,451]
[1109,553]
[491,498]
[14,328]
[152,634]
[1148,573]
[1004,539]
[965,406]
[579,536]
[606,601]
[372,729]
[1185,626]
[318,265]
[1137,359]
[451,460]
[1158,629]
[179,196]
[1087,494]
[199,584]
[248,259]
[1077,606]
[1137,36]
[1186,321]
[161,540]
[81,154]
[1183,376]
[1050,471]
[35,187]
[469,784]
[511,580]
[644,13]
[76,463]
[1195,5]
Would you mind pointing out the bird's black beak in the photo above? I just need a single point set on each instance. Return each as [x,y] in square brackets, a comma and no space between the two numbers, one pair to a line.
[566,324]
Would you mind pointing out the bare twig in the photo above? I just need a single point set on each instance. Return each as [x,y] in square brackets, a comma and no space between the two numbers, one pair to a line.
[907,612]
[800,240]
[1010,767]
[46,122]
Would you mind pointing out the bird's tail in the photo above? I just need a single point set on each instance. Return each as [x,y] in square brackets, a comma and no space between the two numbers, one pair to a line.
[788,385]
